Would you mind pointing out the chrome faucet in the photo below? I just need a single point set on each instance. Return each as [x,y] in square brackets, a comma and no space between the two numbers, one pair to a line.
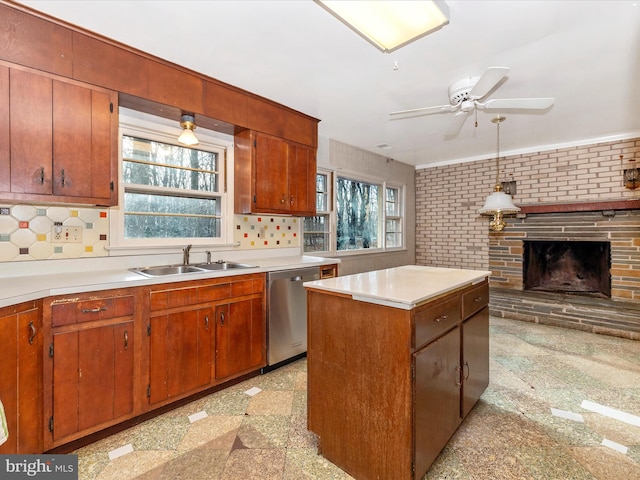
[185,254]
[208,256]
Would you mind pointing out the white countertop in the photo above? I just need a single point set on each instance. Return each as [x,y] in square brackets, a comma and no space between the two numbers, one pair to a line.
[401,287]
[23,288]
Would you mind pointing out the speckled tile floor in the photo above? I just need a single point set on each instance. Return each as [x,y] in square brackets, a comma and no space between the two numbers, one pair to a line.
[561,405]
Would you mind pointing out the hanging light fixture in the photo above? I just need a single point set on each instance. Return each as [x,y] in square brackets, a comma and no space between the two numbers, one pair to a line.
[498,203]
[187,137]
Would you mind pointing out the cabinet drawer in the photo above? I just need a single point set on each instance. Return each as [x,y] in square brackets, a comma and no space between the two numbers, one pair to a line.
[91,309]
[475,299]
[435,320]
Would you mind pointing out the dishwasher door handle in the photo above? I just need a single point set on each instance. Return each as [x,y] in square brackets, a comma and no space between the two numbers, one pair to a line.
[297,278]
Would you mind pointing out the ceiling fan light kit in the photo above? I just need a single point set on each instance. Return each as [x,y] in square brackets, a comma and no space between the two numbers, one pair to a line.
[498,203]
[389,25]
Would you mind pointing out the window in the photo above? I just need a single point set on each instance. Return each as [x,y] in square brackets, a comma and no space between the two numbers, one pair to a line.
[317,229]
[393,218]
[367,216]
[170,194]
[169,191]
[357,214]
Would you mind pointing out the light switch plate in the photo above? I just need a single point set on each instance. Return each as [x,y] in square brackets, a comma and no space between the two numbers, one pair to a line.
[66,234]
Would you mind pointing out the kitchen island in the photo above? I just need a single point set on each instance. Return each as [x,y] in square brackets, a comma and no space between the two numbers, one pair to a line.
[396,359]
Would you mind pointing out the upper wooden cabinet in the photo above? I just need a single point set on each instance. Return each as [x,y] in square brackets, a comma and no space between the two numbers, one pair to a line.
[273,175]
[62,138]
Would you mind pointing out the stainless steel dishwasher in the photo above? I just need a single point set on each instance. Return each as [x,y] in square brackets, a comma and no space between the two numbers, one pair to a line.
[287,313]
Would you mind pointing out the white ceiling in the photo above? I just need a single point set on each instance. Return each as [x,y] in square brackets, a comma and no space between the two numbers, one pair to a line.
[586,54]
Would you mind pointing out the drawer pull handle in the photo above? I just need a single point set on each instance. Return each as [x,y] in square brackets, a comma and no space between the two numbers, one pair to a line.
[441,318]
[126,340]
[477,299]
[94,310]
[466,365]
[33,333]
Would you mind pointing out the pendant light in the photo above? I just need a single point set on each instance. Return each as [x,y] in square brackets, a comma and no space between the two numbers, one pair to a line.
[498,203]
[187,137]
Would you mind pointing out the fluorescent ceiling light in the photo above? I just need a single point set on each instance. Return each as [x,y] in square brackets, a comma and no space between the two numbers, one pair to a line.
[389,25]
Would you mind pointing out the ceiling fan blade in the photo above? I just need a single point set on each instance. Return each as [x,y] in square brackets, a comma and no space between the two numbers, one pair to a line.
[488,81]
[456,124]
[517,103]
[426,110]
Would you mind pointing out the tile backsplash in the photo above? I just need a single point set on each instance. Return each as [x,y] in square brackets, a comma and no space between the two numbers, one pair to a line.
[30,232]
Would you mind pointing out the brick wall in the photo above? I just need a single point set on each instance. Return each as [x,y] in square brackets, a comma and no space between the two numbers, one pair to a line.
[451,233]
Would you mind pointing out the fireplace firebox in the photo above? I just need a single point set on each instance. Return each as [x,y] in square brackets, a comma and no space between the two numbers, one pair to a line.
[579,267]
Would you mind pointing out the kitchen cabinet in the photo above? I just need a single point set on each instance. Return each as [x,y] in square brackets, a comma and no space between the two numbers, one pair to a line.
[90,365]
[181,352]
[21,377]
[203,333]
[387,408]
[273,175]
[62,138]
[240,337]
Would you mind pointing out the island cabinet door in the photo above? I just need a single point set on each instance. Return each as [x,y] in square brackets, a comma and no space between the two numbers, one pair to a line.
[475,359]
[436,397]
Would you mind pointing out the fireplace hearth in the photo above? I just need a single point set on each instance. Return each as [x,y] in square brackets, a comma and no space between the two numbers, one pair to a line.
[578,267]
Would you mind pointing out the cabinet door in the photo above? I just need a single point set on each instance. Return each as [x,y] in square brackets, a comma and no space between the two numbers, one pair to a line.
[81,141]
[92,377]
[270,175]
[240,337]
[31,120]
[475,358]
[436,397]
[21,380]
[181,353]
[302,180]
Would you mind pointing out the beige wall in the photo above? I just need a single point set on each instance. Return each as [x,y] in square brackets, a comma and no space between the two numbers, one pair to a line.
[344,158]
[450,232]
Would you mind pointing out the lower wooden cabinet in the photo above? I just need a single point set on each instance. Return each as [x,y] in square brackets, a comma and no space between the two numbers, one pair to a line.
[180,353]
[21,377]
[73,365]
[240,337]
[387,407]
[89,369]
[200,334]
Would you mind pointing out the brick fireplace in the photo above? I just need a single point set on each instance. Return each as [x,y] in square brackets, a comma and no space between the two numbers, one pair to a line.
[586,274]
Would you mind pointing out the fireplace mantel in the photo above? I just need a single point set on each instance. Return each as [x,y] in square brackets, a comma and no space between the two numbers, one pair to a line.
[581,207]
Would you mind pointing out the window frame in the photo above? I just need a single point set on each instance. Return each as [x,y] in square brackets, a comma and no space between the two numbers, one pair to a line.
[333,232]
[158,129]
[328,214]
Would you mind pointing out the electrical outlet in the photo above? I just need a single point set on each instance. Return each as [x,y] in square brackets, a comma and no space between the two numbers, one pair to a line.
[65,234]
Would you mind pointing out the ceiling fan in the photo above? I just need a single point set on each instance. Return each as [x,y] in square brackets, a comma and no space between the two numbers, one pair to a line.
[468,95]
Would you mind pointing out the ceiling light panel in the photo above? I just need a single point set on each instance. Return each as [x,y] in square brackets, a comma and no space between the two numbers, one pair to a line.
[389,25]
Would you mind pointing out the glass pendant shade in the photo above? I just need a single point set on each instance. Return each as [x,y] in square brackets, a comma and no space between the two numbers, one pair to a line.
[187,137]
[498,201]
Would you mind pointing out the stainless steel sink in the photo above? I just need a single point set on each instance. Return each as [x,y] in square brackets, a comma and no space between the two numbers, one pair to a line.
[161,271]
[224,265]
[167,270]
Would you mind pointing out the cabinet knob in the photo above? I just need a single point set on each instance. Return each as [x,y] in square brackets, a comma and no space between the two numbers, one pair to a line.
[283,200]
